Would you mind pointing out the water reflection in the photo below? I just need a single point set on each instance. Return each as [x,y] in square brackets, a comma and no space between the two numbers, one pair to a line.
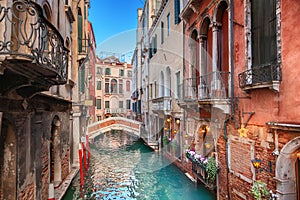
[124,168]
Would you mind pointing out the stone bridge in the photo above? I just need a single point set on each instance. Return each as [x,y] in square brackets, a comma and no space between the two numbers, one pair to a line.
[114,123]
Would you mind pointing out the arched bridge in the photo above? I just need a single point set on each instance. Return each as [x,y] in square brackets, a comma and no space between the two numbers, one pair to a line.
[114,123]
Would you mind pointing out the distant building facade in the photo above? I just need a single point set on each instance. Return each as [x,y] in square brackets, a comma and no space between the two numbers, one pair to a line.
[113,88]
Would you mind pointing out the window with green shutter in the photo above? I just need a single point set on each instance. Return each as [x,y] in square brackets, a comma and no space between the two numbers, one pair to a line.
[79,30]
[176,11]
[120,104]
[81,80]
[98,103]
[106,104]
[99,85]
[263,27]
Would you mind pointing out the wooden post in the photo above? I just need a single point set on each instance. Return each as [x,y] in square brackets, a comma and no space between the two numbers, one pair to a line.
[81,169]
[84,155]
[88,149]
[51,192]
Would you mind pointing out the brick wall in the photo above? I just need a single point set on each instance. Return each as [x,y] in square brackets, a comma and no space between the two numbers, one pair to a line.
[45,170]
[259,141]
[27,193]
[65,163]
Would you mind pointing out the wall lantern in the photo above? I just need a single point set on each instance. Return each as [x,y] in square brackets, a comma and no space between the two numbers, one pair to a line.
[298,155]
[165,128]
[175,131]
[168,120]
[257,165]
[177,120]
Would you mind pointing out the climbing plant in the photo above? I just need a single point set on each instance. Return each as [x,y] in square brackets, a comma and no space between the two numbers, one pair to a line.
[259,190]
[211,169]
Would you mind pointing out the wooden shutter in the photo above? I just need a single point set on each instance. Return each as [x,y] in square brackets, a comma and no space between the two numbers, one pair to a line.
[176,11]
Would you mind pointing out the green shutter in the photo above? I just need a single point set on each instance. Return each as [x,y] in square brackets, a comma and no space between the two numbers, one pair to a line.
[81,81]
[79,33]
[176,11]
[98,103]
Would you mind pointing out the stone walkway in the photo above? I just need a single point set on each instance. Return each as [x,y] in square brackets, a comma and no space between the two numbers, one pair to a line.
[62,189]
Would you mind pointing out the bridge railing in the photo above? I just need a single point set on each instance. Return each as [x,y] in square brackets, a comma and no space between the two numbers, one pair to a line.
[114,123]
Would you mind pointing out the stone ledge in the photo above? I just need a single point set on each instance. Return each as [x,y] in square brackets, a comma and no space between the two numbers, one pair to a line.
[62,189]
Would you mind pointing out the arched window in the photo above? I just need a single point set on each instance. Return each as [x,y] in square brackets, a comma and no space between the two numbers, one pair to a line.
[113,86]
[161,84]
[168,82]
[222,43]
[193,80]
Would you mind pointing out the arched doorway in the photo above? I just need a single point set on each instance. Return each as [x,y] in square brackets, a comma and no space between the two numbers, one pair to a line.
[193,80]
[55,160]
[8,161]
[287,171]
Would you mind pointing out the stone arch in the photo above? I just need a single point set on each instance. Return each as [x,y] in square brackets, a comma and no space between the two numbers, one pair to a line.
[205,40]
[55,152]
[285,173]
[47,11]
[8,160]
[218,8]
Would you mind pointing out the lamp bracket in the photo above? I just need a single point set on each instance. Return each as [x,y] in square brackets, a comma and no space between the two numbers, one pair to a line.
[249,116]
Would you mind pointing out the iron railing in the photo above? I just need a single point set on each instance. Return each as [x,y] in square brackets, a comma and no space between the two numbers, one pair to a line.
[260,75]
[25,32]
[213,85]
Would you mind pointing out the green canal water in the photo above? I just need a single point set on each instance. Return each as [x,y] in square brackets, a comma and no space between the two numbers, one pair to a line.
[123,168]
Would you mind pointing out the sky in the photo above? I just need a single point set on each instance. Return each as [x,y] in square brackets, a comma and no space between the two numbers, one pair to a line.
[114,23]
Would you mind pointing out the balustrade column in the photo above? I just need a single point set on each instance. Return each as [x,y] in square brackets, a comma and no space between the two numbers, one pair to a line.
[215,82]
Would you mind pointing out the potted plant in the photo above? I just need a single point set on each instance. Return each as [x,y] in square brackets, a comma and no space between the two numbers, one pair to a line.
[259,190]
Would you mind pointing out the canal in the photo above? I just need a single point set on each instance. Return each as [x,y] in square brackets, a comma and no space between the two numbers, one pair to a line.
[122,167]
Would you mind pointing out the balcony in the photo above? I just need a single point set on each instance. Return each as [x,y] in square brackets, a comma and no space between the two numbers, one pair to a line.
[211,89]
[267,76]
[162,105]
[114,111]
[31,48]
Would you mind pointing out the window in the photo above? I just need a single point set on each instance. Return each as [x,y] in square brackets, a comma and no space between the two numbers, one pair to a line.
[106,104]
[107,85]
[113,86]
[82,80]
[155,89]
[129,73]
[128,102]
[150,92]
[178,85]
[176,11]
[107,71]
[79,30]
[162,32]
[121,86]
[99,85]
[121,72]
[98,103]
[263,19]
[127,86]
[155,44]
[120,104]
[99,70]
[168,24]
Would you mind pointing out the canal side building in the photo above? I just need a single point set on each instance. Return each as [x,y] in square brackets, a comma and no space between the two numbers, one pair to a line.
[235,100]
[35,97]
